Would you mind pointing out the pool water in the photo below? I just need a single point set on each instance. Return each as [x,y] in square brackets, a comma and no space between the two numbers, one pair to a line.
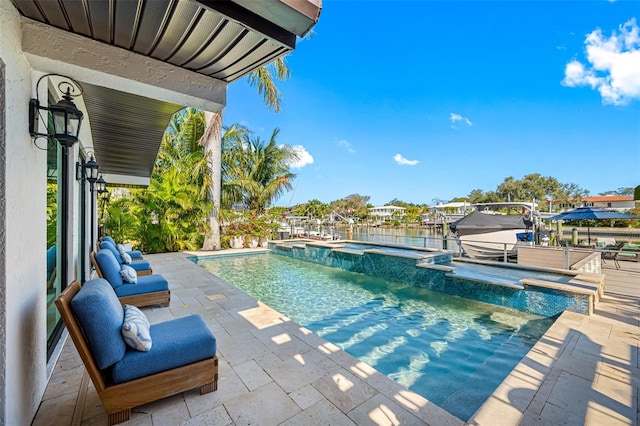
[451,350]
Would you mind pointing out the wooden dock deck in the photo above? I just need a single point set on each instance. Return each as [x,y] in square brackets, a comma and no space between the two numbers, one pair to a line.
[624,281]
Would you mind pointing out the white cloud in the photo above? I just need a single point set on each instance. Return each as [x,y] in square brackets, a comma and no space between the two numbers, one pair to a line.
[613,65]
[304,158]
[403,161]
[346,145]
[454,118]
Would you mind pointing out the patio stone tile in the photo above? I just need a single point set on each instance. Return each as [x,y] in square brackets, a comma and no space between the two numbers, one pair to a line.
[380,410]
[534,419]
[230,386]
[158,315]
[304,334]
[431,413]
[580,397]
[321,413]
[616,394]
[580,364]
[554,415]
[267,360]
[624,374]
[93,406]
[63,381]
[218,416]
[252,375]
[59,410]
[295,372]
[344,390]
[240,350]
[321,360]
[524,371]
[542,395]
[305,397]
[168,411]
[516,392]
[268,405]
[260,316]
[281,341]
[496,412]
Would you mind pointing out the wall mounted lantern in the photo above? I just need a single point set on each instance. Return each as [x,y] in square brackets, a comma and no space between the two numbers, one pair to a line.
[88,170]
[66,118]
[101,185]
[91,171]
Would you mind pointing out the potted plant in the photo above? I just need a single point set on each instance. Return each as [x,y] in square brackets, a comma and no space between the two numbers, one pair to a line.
[235,232]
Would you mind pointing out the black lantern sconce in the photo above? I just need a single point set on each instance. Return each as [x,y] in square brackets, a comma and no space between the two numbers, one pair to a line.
[66,117]
[89,171]
[101,185]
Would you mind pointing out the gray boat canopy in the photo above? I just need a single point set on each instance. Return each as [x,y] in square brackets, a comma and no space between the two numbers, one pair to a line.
[482,223]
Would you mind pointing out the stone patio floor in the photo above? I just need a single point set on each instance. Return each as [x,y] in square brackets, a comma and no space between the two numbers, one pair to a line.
[584,370]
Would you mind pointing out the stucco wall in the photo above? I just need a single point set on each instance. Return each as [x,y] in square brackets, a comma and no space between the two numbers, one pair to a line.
[23,344]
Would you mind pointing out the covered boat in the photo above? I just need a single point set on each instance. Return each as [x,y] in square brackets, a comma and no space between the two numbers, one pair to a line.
[490,236]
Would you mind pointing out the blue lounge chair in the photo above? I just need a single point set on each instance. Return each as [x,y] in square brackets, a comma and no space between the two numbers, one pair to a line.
[142,267]
[135,254]
[182,355]
[149,289]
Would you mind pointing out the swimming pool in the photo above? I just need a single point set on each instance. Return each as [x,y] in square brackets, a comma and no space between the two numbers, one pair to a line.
[451,350]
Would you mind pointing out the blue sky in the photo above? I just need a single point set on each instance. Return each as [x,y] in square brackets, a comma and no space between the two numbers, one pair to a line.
[424,100]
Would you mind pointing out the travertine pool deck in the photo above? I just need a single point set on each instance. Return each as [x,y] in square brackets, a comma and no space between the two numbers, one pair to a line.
[585,369]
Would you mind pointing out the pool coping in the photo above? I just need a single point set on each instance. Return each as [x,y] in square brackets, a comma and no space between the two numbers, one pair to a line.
[534,370]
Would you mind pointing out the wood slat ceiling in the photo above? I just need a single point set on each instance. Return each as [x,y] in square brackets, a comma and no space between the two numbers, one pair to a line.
[184,33]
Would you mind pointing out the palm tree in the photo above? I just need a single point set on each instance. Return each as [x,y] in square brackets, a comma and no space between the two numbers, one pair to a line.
[254,172]
[212,140]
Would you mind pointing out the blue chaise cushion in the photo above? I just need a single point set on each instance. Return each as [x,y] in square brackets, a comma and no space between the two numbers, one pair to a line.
[109,267]
[106,245]
[136,254]
[145,284]
[140,265]
[100,315]
[108,238]
[176,343]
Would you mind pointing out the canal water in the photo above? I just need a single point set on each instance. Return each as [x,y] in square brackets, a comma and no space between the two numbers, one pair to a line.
[414,237]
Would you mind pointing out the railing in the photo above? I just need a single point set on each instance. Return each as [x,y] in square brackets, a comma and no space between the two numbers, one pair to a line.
[423,241]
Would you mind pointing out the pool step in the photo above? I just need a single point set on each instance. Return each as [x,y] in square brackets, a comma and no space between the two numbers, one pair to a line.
[492,281]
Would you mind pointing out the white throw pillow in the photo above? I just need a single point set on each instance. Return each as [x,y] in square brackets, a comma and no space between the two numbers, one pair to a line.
[129,275]
[135,329]
[126,258]
[121,248]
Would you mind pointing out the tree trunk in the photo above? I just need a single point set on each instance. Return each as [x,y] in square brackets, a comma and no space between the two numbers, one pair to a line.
[212,140]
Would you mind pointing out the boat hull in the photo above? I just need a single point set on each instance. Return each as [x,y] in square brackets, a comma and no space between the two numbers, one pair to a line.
[492,245]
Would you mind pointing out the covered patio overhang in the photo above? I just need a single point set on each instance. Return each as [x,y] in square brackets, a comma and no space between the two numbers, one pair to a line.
[139,62]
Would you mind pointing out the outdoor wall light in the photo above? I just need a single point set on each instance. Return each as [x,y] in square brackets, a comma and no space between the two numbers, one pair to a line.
[88,170]
[101,185]
[91,170]
[66,118]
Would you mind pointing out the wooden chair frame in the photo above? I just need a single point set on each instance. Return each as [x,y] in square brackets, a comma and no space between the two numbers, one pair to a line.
[162,298]
[119,399]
